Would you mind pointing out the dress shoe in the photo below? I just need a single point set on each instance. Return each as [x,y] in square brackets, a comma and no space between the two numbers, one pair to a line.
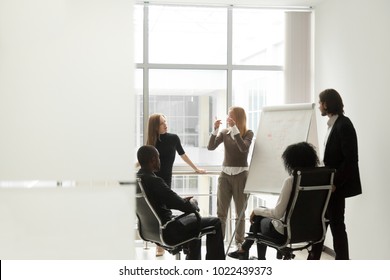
[239,255]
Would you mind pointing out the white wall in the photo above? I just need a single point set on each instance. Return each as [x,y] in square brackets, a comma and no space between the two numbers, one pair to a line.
[251,3]
[66,113]
[352,55]
[82,223]
[66,90]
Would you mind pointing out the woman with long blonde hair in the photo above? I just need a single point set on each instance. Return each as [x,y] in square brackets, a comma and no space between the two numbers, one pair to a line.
[231,182]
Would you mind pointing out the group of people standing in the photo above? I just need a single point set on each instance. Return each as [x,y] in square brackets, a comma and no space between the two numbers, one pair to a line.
[341,152]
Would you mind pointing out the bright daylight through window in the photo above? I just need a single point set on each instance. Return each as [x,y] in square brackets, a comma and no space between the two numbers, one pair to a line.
[193,62]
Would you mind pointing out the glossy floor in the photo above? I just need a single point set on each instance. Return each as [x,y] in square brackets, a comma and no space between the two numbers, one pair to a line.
[147,251]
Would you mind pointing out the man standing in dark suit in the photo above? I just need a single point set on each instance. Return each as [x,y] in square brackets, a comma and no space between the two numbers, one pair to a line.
[341,153]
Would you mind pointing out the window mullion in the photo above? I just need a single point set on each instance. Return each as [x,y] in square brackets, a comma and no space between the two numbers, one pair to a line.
[146,68]
[229,86]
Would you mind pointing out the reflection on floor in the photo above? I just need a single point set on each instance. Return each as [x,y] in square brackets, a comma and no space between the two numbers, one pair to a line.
[147,251]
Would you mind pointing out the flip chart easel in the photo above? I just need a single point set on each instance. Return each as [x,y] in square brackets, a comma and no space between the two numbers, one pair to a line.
[279,127]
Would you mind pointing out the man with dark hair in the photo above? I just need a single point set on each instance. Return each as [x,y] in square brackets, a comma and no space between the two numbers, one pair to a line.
[341,153]
[163,199]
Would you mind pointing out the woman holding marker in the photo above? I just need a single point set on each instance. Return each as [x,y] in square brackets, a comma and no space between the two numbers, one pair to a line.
[231,182]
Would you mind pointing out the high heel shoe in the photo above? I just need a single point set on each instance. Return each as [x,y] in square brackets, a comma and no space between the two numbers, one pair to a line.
[159,251]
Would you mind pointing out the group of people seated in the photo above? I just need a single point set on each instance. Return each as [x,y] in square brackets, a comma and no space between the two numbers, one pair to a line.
[263,220]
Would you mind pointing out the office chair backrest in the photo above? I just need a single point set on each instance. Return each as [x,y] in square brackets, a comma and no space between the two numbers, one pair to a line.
[149,224]
[308,202]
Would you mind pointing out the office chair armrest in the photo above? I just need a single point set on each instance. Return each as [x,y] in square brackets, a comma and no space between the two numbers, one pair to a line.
[199,219]
[179,217]
[280,223]
[197,216]
[173,219]
[176,218]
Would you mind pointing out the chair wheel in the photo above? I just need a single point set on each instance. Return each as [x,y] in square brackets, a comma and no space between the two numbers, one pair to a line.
[289,256]
[279,255]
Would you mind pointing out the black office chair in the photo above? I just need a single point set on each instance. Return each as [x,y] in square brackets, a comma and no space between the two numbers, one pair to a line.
[151,229]
[305,222]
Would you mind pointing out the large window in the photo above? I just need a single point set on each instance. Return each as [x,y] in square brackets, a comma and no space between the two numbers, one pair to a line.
[193,63]
[187,35]
[258,37]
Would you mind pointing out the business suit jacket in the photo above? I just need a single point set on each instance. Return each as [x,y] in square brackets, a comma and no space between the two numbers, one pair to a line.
[162,197]
[341,153]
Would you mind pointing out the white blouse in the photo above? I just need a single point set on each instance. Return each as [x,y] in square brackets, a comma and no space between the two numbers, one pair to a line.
[281,205]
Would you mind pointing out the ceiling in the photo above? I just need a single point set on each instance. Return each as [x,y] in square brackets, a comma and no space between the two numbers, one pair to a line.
[253,3]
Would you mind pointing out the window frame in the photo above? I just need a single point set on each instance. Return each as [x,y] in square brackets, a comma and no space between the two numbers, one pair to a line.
[229,67]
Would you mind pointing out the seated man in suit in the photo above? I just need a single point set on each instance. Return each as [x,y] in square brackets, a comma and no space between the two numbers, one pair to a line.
[164,199]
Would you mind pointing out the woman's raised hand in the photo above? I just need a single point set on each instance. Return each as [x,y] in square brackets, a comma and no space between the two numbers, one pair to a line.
[217,123]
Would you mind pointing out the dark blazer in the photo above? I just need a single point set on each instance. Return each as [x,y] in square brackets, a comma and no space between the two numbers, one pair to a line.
[162,198]
[341,153]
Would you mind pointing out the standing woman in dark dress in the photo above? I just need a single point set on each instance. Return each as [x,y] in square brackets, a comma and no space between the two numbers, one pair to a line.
[167,145]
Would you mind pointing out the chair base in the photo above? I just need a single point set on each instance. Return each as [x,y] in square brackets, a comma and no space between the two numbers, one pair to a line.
[279,255]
